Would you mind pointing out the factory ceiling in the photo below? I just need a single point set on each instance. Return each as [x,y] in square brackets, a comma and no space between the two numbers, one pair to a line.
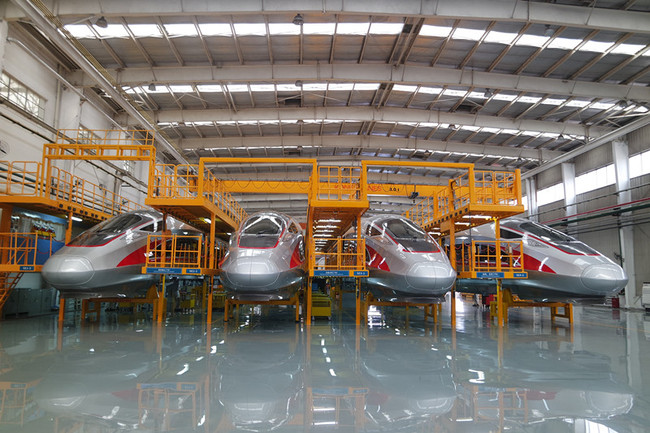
[505,84]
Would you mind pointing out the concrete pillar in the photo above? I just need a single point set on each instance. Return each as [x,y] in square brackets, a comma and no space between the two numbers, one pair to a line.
[531,198]
[569,181]
[4,29]
[626,234]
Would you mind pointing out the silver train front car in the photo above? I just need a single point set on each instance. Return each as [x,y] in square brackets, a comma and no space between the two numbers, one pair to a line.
[405,264]
[107,259]
[559,267]
[265,259]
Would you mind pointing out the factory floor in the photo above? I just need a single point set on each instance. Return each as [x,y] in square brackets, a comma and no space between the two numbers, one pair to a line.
[263,372]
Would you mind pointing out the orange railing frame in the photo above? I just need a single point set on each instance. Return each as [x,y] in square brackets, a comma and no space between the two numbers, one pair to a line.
[489,256]
[342,254]
[339,183]
[176,251]
[21,249]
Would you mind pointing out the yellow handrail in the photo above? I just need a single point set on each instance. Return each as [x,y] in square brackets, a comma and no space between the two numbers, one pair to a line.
[21,249]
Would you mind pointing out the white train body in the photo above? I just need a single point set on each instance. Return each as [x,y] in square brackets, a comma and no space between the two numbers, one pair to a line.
[265,259]
[107,259]
[558,266]
[404,262]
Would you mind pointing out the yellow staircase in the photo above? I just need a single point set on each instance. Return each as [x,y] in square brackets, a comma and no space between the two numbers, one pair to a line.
[8,282]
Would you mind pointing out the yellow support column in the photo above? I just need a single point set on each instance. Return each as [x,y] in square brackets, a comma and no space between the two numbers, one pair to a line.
[452,259]
[308,300]
[210,288]
[357,294]
[161,301]
[501,305]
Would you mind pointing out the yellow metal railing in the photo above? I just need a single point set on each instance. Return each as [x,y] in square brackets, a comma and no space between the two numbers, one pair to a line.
[105,137]
[497,189]
[490,256]
[339,183]
[338,254]
[175,251]
[24,249]
[181,251]
[182,181]
[28,179]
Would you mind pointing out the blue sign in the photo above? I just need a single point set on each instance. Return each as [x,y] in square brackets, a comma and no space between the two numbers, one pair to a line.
[490,275]
[331,273]
[164,270]
[520,275]
[192,271]
[26,268]
[360,273]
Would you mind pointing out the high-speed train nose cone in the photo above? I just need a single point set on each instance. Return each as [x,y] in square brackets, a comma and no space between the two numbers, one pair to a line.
[604,278]
[251,272]
[67,270]
[426,275]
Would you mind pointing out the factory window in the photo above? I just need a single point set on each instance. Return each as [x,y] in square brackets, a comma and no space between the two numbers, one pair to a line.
[640,164]
[595,179]
[18,94]
[86,136]
[550,194]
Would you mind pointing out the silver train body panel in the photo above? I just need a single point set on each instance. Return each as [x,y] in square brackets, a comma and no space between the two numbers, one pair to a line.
[107,259]
[405,264]
[266,259]
[559,267]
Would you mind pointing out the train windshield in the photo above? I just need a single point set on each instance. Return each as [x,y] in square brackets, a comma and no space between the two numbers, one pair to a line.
[562,241]
[410,236]
[108,230]
[261,231]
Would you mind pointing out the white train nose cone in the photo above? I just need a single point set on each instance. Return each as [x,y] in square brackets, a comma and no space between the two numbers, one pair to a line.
[425,275]
[67,270]
[604,278]
[252,272]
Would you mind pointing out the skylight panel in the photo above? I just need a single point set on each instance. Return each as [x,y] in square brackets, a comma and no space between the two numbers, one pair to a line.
[430,90]
[490,130]
[366,86]
[318,28]
[341,86]
[315,87]
[577,103]
[595,46]
[181,30]
[209,88]
[504,97]
[145,30]
[237,88]
[435,31]
[429,125]
[80,31]
[532,41]
[452,92]
[529,99]
[157,89]
[551,101]
[112,31]
[263,87]
[284,29]
[250,29]
[603,106]
[215,29]
[288,88]
[629,49]
[386,28]
[403,88]
[184,88]
[352,28]
[500,37]
[468,34]
[564,43]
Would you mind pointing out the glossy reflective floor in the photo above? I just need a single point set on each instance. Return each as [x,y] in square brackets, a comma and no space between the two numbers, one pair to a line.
[263,372]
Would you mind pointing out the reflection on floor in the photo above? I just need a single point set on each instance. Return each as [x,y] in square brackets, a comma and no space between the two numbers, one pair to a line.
[264,372]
